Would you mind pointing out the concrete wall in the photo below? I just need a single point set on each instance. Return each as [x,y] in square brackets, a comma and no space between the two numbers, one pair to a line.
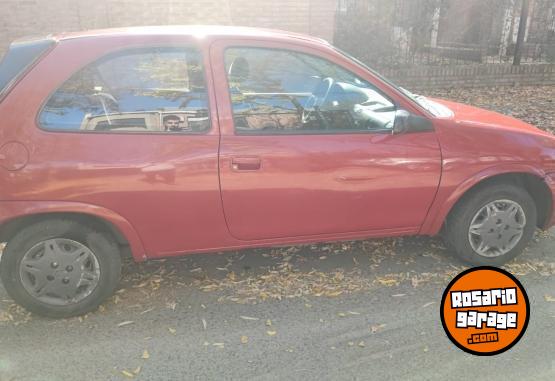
[20,18]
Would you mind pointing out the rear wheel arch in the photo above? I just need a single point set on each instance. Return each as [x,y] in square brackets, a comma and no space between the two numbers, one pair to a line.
[11,227]
[61,266]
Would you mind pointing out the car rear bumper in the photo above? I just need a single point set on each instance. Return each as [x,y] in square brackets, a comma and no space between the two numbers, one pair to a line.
[550,180]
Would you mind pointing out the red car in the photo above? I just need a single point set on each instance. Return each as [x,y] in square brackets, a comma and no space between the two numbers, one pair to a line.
[172,140]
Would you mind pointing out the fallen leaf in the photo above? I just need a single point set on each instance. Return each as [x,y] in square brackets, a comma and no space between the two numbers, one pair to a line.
[204,325]
[398,295]
[351,343]
[341,314]
[124,323]
[145,355]
[127,374]
[268,323]
[271,333]
[244,339]
[361,344]
[219,345]
[549,298]
[377,327]
[334,293]
[137,370]
[414,281]
[249,318]
[388,282]
[172,331]
[428,304]
[353,313]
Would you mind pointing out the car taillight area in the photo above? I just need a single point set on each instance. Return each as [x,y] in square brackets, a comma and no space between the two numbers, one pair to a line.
[550,180]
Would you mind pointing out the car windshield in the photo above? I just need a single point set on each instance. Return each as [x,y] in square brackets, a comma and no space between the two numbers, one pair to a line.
[421,100]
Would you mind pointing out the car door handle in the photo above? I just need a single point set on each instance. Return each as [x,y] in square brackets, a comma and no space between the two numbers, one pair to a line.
[245,163]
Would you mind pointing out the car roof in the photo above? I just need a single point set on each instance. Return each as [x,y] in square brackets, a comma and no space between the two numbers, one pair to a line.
[193,30]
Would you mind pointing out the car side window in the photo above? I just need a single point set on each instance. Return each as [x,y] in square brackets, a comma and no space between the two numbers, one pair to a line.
[286,92]
[146,90]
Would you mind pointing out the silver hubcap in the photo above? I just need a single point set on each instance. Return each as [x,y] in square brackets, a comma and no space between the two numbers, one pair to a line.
[59,271]
[497,228]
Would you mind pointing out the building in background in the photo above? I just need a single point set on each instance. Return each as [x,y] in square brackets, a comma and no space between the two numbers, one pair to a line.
[19,18]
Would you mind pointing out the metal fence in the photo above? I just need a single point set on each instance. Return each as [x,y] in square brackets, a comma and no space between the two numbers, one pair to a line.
[398,33]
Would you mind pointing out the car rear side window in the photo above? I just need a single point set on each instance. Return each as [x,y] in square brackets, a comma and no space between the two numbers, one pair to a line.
[146,90]
[277,91]
[20,56]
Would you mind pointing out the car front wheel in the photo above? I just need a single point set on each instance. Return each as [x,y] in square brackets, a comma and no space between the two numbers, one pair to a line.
[492,225]
[60,268]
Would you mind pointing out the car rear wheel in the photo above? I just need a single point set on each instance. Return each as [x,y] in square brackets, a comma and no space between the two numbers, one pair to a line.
[60,268]
[492,225]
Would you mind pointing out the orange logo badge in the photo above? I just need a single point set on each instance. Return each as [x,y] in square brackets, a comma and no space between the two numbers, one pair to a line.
[485,311]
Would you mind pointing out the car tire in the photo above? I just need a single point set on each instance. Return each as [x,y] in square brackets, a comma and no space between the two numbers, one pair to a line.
[482,219]
[47,262]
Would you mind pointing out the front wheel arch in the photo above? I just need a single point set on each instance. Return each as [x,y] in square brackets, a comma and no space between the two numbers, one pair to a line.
[457,236]
[531,183]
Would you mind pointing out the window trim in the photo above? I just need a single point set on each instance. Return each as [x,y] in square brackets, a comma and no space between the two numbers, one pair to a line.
[122,51]
[302,132]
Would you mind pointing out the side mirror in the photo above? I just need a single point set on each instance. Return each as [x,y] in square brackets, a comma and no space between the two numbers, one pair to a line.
[405,122]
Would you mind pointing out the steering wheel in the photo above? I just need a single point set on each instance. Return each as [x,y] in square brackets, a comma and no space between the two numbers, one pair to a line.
[317,99]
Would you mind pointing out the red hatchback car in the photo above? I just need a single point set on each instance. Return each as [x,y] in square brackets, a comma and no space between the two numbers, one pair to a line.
[165,141]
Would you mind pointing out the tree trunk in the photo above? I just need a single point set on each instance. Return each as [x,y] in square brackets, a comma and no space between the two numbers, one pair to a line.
[521,32]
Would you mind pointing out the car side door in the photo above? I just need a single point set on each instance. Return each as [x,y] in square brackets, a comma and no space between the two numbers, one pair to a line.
[307,147]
